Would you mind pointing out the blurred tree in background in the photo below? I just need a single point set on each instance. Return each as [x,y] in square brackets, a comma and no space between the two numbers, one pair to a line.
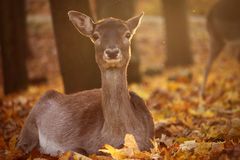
[200,7]
[76,53]
[178,40]
[14,46]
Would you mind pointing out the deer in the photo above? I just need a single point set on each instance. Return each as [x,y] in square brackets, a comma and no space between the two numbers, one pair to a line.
[87,120]
[223,25]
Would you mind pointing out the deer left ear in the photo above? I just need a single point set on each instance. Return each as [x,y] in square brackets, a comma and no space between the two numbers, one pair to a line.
[82,22]
[134,22]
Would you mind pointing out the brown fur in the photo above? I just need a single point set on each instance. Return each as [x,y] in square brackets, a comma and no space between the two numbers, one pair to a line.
[87,120]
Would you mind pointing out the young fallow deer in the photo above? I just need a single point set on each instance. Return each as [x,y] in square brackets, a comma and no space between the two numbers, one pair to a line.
[87,120]
[223,24]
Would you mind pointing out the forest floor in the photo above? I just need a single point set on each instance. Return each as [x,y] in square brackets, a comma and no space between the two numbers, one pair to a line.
[187,127]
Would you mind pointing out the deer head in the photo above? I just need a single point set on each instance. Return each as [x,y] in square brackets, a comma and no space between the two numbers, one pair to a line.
[111,38]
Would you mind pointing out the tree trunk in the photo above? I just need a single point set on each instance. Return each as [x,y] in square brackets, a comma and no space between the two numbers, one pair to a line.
[124,10]
[76,53]
[13,44]
[178,42]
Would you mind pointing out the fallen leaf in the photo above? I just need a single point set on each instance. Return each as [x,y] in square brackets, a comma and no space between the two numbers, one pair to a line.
[70,155]
[188,145]
[130,142]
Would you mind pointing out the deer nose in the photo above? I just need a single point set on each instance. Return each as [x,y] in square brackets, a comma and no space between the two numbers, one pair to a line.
[112,53]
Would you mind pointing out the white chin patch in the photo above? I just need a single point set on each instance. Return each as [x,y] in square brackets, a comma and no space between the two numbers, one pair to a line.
[114,61]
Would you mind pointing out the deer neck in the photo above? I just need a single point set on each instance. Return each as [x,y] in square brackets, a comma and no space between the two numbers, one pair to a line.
[116,103]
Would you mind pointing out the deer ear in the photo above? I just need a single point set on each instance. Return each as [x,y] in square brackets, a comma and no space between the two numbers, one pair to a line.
[82,22]
[134,22]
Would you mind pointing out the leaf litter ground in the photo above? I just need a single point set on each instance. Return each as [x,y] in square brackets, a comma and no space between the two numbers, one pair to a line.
[187,127]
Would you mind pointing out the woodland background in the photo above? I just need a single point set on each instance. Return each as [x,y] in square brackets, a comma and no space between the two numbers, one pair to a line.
[188,127]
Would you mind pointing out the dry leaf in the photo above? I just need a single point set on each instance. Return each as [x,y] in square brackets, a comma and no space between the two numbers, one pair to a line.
[130,142]
[70,155]
[188,145]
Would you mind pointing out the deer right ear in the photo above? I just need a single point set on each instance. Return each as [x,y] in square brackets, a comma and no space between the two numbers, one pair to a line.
[82,22]
[134,22]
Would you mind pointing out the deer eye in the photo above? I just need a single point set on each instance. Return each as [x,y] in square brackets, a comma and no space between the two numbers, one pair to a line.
[128,35]
[95,36]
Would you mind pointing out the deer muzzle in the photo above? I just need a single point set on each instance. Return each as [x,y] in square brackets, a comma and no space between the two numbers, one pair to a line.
[112,54]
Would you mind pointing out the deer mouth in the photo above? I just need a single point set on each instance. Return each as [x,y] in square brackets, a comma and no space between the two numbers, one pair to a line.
[111,60]
[113,63]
